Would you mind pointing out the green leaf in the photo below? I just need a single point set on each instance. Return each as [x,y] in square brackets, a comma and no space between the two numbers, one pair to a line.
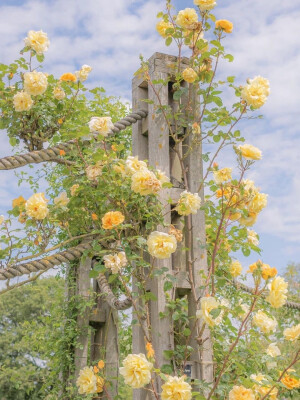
[167,369]
[229,57]
[168,41]
[168,286]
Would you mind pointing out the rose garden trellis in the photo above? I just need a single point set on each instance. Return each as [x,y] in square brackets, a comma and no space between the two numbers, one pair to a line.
[151,141]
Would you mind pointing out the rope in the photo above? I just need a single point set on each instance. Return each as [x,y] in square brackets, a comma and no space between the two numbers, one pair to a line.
[48,262]
[110,298]
[289,304]
[53,153]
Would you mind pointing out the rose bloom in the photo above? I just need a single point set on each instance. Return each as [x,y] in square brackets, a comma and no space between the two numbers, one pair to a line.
[264,323]
[36,206]
[38,41]
[136,370]
[292,333]
[101,125]
[18,202]
[68,77]
[62,200]
[162,26]
[176,232]
[205,5]
[267,271]
[188,203]
[225,25]
[93,171]
[290,382]
[161,245]
[87,381]
[207,305]
[73,189]
[245,309]
[255,93]
[259,202]
[189,75]
[59,93]
[250,152]
[277,295]
[263,390]
[22,101]
[222,175]
[235,268]
[162,177]
[1,219]
[115,262]
[273,350]
[133,164]
[112,219]
[196,128]
[35,83]
[258,378]
[145,182]
[252,237]
[83,73]
[176,388]
[100,384]
[241,393]
[187,18]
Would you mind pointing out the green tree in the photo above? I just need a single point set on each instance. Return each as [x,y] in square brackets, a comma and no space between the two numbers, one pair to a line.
[28,316]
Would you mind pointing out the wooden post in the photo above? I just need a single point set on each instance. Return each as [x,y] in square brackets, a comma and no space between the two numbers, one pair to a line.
[151,141]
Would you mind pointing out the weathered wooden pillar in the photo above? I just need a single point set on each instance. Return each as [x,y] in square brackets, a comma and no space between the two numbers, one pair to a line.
[151,141]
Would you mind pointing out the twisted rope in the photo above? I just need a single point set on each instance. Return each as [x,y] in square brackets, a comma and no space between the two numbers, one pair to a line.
[45,263]
[110,298]
[53,153]
[239,285]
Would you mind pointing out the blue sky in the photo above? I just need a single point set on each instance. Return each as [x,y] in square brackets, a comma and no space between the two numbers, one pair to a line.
[109,36]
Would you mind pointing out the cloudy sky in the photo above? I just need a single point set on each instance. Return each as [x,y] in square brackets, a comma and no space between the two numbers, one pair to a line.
[110,35]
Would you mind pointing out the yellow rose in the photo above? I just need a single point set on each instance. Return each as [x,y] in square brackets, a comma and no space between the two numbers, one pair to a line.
[267,271]
[74,189]
[277,295]
[133,164]
[176,388]
[145,182]
[101,125]
[176,232]
[68,77]
[207,305]
[62,200]
[264,323]
[161,245]
[241,393]
[162,177]
[252,237]
[1,219]
[35,83]
[225,25]
[249,220]
[290,382]
[222,175]
[250,152]
[93,171]
[205,5]
[87,381]
[292,333]
[255,93]
[100,384]
[112,219]
[22,101]
[115,262]
[187,18]
[263,390]
[188,203]
[59,93]
[83,73]
[258,202]
[36,206]
[273,350]
[162,26]
[136,370]
[38,41]
[235,269]
[258,378]
[189,75]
